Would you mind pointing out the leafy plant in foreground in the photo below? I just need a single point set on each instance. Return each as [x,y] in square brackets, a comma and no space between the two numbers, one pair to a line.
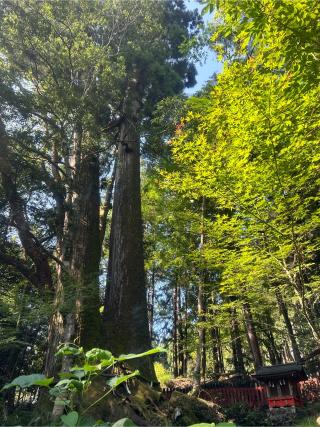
[74,382]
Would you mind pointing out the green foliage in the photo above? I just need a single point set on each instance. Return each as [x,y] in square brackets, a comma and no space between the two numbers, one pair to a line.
[162,374]
[124,422]
[25,381]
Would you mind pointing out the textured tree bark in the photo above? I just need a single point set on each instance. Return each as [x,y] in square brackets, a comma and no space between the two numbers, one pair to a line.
[86,252]
[252,336]
[284,312]
[77,300]
[125,311]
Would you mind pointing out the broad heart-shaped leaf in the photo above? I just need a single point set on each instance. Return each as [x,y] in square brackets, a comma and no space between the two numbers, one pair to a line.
[70,384]
[124,357]
[45,382]
[116,381]
[124,422]
[25,381]
[86,368]
[98,354]
[70,419]
[69,350]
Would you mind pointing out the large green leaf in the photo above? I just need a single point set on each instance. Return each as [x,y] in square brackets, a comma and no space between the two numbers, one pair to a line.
[98,354]
[124,422]
[70,419]
[124,357]
[116,381]
[69,350]
[70,384]
[25,381]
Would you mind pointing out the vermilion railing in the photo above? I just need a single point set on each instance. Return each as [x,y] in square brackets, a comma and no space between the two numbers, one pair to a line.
[254,396]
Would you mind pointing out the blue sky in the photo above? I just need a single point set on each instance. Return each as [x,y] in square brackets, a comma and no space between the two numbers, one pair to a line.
[206,70]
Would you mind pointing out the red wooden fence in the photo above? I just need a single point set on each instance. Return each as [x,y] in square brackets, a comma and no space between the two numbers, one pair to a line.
[254,396]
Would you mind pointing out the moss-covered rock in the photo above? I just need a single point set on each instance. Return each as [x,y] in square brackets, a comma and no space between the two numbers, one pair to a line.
[185,410]
[146,406]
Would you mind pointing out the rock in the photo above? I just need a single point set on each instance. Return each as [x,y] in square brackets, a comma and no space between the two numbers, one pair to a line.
[185,410]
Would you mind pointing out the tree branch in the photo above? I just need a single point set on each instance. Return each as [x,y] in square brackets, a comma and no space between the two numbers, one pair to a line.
[32,247]
[19,265]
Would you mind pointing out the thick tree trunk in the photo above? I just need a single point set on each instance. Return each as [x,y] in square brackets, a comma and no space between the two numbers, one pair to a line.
[284,312]
[252,336]
[76,316]
[125,311]
[86,253]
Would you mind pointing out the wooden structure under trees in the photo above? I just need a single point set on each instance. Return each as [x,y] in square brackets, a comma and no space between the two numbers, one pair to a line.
[282,384]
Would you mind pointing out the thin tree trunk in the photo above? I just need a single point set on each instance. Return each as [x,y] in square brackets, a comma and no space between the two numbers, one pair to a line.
[252,336]
[125,311]
[175,330]
[284,312]
[236,344]
[204,356]
[218,366]
[185,345]
[151,298]
[181,353]
[107,205]
[200,364]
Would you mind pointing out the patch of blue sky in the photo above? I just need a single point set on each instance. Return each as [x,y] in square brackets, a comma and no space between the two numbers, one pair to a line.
[211,65]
